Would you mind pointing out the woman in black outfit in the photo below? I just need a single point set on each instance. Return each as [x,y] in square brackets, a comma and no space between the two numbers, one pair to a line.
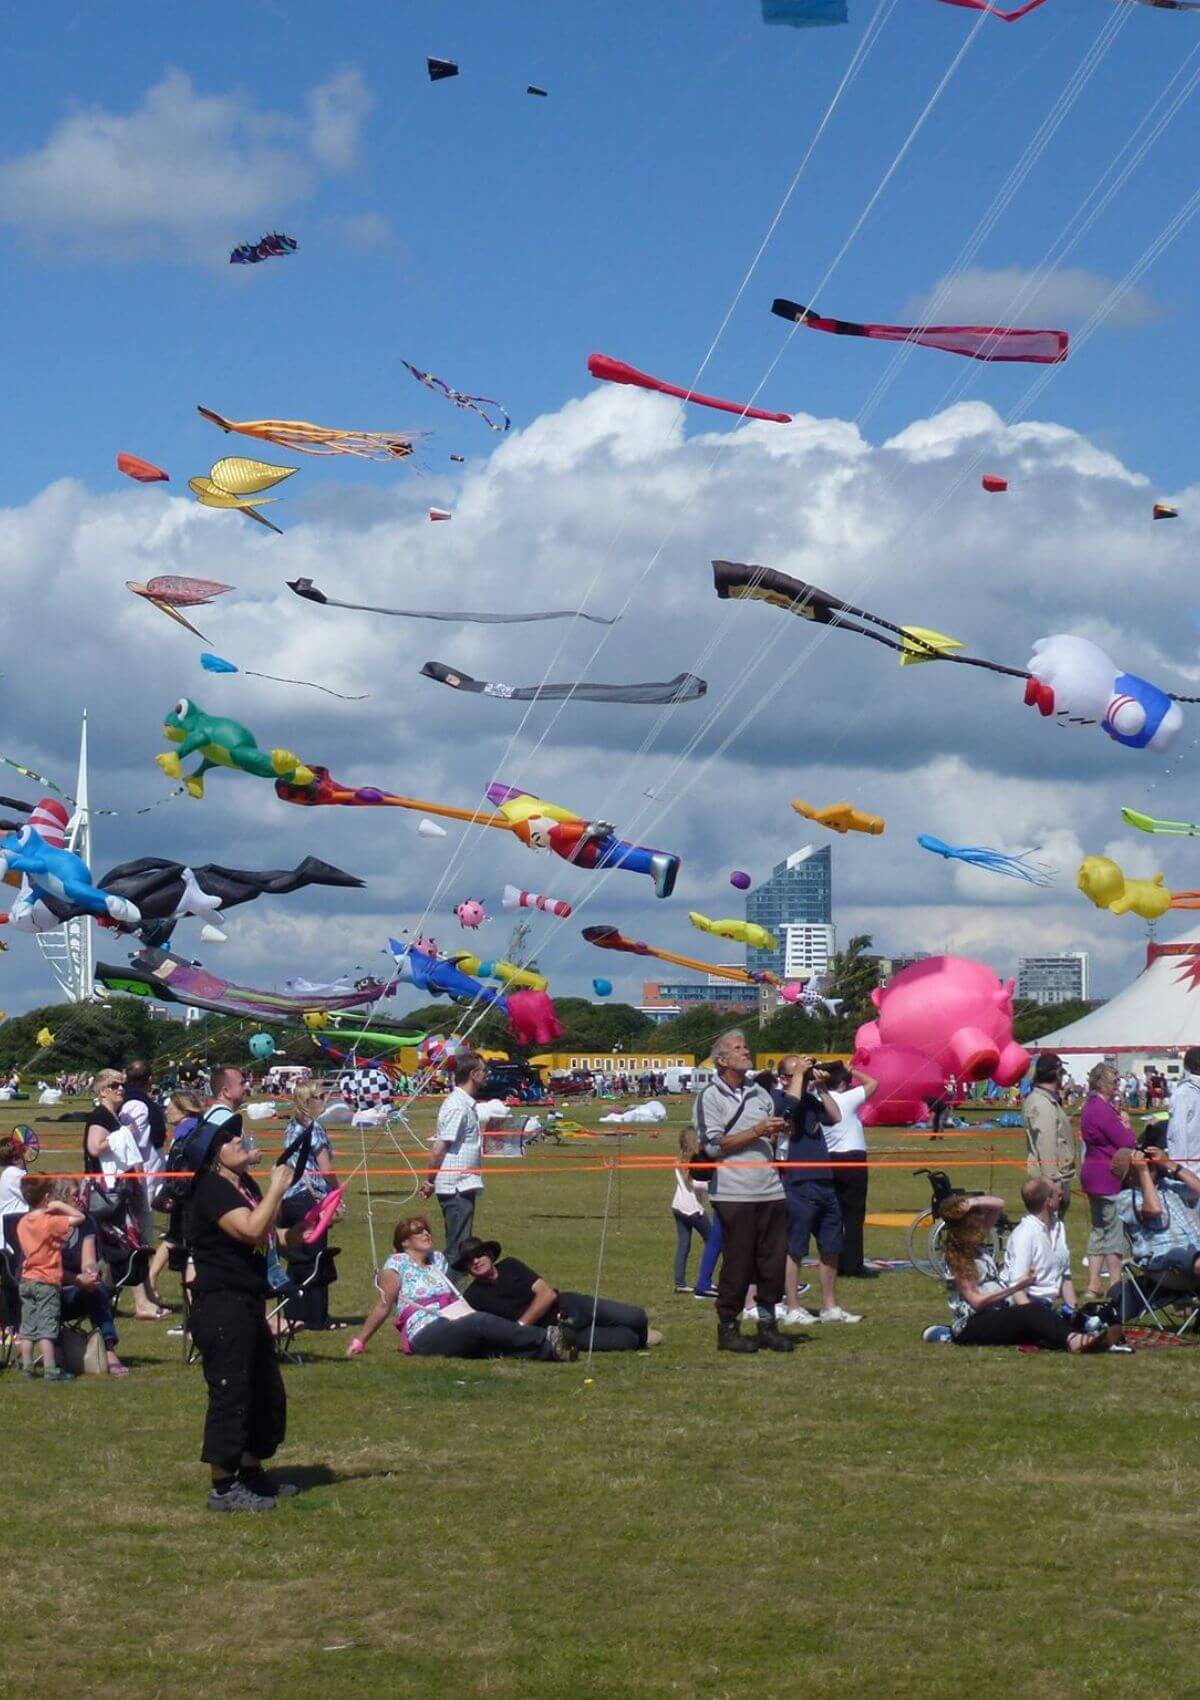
[227,1223]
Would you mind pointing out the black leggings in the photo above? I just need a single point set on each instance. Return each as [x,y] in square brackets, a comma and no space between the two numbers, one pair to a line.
[1016,1325]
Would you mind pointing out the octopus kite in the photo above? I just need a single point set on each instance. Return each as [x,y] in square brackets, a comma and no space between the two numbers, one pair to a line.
[303,438]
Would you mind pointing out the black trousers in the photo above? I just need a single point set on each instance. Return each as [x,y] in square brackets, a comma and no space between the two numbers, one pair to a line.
[850,1180]
[247,1405]
[618,1327]
[755,1253]
[1016,1325]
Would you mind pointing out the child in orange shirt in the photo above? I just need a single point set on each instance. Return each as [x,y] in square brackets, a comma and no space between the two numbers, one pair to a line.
[41,1233]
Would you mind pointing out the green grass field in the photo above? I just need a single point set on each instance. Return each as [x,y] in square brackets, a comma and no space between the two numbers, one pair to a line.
[866,1517]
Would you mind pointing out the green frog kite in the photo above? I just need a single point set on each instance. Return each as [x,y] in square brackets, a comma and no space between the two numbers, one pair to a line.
[221,743]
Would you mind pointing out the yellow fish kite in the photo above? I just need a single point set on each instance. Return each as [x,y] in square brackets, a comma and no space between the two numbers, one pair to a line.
[745,932]
[841,817]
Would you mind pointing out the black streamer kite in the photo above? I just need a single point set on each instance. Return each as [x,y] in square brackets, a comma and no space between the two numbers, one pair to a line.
[684,687]
[306,588]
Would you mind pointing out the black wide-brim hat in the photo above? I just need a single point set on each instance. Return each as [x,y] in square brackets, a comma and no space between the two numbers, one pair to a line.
[473,1248]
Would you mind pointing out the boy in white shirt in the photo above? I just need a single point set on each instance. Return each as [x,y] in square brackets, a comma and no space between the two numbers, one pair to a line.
[1038,1247]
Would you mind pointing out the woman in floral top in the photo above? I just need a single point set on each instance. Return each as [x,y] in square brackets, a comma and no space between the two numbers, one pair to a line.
[985,1311]
[435,1321]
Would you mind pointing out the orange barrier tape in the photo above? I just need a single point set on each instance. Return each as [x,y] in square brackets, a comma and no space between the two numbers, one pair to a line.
[518,1167]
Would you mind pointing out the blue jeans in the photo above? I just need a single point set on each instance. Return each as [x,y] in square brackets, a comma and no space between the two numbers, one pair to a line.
[685,1227]
[604,1325]
[712,1252]
[96,1304]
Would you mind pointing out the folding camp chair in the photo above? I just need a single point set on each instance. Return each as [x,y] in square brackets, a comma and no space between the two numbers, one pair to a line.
[1169,1298]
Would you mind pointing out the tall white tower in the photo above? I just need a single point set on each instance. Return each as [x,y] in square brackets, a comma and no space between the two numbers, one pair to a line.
[68,950]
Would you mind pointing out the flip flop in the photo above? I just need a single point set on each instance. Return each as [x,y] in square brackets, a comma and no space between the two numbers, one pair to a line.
[317,1221]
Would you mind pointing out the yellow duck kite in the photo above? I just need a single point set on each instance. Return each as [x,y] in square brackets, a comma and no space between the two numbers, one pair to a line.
[745,932]
[1101,880]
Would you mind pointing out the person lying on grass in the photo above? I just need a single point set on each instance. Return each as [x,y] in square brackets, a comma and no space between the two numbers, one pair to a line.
[982,1306]
[506,1287]
[435,1321]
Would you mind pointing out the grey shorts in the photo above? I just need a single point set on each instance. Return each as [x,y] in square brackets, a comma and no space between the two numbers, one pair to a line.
[41,1310]
[1108,1231]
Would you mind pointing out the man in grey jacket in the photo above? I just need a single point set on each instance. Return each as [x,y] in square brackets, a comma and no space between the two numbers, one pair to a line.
[737,1127]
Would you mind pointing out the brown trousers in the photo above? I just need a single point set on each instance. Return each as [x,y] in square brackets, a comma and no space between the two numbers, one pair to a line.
[754,1252]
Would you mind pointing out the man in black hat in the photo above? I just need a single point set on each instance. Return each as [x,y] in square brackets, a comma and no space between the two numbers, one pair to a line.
[1048,1132]
[504,1286]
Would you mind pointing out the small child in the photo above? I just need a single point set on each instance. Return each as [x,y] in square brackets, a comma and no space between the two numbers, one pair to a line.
[41,1233]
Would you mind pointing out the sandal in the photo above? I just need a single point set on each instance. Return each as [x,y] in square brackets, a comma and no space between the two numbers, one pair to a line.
[118,1369]
[150,1315]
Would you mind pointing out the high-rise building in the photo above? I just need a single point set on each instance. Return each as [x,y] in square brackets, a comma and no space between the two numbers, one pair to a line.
[1054,979]
[808,947]
[798,891]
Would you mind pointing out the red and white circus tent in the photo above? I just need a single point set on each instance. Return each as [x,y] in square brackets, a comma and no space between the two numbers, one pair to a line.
[1157,1016]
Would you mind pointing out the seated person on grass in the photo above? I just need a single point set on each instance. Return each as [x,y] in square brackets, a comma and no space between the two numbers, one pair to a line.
[1158,1204]
[504,1286]
[1038,1247]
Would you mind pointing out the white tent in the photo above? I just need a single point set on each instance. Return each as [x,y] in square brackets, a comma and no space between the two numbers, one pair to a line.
[1159,1014]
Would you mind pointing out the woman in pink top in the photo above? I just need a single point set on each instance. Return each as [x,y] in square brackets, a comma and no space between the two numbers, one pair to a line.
[1104,1131]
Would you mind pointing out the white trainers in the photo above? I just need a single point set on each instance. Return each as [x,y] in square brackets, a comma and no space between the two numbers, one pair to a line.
[837,1314]
[750,1314]
[794,1318]
[781,1310]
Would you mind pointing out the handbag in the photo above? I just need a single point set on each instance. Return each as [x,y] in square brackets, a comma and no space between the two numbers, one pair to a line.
[83,1354]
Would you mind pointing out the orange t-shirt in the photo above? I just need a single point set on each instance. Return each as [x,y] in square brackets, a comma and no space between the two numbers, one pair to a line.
[42,1236]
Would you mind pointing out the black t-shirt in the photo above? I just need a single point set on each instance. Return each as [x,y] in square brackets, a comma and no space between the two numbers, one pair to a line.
[806,1142]
[99,1117]
[223,1264]
[72,1247]
[509,1295]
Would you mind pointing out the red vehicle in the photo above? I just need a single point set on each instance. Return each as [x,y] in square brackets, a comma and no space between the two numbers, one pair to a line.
[577,1084]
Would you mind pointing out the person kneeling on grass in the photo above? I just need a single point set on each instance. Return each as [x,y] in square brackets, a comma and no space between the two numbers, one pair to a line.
[504,1286]
[434,1320]
[982,1306]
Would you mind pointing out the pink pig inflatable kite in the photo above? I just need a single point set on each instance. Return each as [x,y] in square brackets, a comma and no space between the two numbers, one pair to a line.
[907,1080]
[955,1013]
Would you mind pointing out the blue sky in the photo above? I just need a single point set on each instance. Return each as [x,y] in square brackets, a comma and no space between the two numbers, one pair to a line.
[618,214]
[498,239]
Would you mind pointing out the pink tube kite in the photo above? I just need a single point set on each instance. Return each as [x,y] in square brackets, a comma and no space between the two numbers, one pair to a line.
[976,342]
[994,12]
[617,372]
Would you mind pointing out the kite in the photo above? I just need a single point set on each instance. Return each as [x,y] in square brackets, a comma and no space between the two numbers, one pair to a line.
[274,246]
[217,664]
[602,988]
[471,913]
[1164,510]
[47,872]
[808,995]
[533,89]
[841,817]
[740,881]
[1005,17]
[609,938]
[617,372]
[306,588]
[144,471]
[498,969]
[537,824]
[473,403]
[991,483]
[169,593]
[221,743]
[167,978]
[742,932]
[304,438]
[684,687]
[439,976]
[995,861]
[1147,823]
[430,829]
[461,459]
[440,513]
[232,481]
[44,1038]
[440,68]
[1101,880]
[165,892]
[802,14]
[976,342]
[1069,678]
[515,898]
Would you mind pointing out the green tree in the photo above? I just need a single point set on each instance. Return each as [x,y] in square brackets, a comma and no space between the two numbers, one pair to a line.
[1031,1020]
[853,976]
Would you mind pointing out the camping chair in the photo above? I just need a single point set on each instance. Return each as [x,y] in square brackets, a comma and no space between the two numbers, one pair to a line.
[10,1291]
[1169,1299]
